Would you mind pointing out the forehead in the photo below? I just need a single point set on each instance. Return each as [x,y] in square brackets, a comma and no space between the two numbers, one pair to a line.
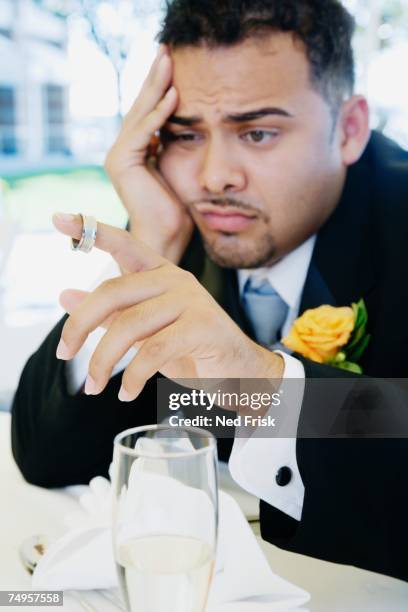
[269,69]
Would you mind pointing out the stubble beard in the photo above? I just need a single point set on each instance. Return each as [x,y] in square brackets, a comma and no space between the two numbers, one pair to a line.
[238,255]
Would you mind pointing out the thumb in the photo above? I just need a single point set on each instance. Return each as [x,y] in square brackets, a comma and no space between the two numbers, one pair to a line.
[71,298]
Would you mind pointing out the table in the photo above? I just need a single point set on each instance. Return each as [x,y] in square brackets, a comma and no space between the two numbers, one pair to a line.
[27,510]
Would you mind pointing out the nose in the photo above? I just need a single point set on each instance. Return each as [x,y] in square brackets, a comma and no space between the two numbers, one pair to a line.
[220,171]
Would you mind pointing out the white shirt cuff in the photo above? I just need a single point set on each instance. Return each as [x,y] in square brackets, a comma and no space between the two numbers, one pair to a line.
[255,461]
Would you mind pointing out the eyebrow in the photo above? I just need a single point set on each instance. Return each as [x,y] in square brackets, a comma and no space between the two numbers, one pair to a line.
[234,118]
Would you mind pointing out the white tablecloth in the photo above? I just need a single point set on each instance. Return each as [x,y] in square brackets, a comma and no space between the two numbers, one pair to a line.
[27,510]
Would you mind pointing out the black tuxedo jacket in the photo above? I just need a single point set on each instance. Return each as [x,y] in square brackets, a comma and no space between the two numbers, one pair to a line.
[354,509]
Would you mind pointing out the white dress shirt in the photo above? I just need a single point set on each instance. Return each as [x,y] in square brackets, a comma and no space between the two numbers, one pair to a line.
[254,462]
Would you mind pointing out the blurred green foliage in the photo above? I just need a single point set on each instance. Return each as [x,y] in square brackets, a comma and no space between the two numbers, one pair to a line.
[32,200]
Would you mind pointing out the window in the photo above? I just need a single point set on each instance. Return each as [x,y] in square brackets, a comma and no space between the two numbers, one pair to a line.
[6,32]
[54,115]
[8,142]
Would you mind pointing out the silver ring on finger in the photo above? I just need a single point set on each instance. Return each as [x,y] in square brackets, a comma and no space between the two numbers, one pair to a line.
[89,230]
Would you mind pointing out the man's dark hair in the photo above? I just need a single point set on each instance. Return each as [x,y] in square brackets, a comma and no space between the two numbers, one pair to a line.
[324,26]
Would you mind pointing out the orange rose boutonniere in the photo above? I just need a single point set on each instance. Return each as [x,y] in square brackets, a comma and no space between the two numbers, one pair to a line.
[334,336]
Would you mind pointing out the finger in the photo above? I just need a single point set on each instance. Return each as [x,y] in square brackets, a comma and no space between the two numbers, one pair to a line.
[131,254]
[107,300]
[153,89]
[159,115]
[172,342]
[147,284]
[72,298]
[142,132]
[161,50]
[132,325]
[150,78]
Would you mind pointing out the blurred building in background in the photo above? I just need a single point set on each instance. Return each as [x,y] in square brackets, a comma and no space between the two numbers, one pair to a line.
[33,85]
[381,53]
[69,70]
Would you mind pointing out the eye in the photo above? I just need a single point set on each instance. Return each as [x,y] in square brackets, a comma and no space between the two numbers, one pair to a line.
[260,136]
[180,137]
[185,137]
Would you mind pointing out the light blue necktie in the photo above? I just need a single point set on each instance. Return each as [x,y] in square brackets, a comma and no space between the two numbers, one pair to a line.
[265,309]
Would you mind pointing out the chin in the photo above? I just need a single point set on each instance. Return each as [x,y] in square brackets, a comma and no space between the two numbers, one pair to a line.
[233,251]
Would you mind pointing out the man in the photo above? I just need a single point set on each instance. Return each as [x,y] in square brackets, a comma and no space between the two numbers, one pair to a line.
[268,164]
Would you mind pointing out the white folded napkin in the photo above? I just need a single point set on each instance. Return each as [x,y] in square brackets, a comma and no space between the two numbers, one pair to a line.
[83,557]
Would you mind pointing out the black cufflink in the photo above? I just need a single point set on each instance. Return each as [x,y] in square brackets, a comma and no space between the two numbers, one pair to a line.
[283,476]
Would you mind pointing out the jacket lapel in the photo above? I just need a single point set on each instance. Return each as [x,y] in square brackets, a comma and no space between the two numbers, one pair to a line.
[221,283]
[341,270]
[316,292]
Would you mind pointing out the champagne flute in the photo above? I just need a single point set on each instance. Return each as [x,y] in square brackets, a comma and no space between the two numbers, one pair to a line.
[165,517]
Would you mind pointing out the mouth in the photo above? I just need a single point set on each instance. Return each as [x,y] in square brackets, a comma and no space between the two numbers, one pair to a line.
[226,219]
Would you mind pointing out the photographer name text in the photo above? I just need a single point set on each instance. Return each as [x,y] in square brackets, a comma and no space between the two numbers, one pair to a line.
[222,421]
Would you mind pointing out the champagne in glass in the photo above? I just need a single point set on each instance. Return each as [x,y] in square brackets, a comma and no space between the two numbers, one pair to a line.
[165,517]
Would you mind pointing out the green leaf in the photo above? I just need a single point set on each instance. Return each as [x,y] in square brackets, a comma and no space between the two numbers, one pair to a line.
[355,339]
[361,314]
[358,341]
[355,311]
[359,349]
[350,367]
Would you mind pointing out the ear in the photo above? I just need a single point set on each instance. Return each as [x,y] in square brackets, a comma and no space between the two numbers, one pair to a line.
[354,125]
